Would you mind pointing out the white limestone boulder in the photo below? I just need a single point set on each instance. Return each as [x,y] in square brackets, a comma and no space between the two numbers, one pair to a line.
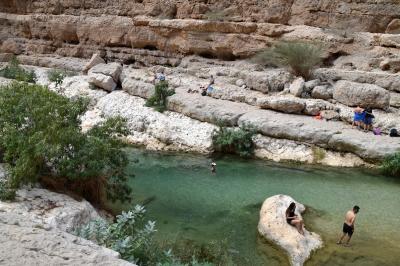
[273,226]
[102,81]
[112,70]
[291,105]
[297,87]
[105,76]
[26,242]
[50,209]
[353,94]
[95,60]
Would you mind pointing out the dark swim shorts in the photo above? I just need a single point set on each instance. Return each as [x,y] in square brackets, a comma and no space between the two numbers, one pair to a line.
[347,229]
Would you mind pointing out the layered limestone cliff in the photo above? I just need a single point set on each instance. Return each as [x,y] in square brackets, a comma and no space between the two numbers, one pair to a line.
[372,16]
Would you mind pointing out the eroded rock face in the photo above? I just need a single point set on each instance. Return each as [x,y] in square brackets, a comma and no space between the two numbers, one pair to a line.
[326,13]
[273,227]
[29,242]
[357,94]
[51,209]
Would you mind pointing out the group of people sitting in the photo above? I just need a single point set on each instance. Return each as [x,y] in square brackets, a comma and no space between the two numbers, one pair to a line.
[363,118]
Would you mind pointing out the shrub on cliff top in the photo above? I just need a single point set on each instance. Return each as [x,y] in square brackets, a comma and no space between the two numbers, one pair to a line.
[301,58]
[159,99]
[41,137]
[391,165]
[234,140]
[14,71]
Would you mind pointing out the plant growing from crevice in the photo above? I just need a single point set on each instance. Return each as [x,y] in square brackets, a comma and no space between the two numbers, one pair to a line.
[234,140]
[391,165]
[318,154]
[41,137]
[13,70]
[56,76]
[300,58]
[159,99]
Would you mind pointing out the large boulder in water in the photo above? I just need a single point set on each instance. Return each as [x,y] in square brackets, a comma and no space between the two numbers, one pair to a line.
[273,226]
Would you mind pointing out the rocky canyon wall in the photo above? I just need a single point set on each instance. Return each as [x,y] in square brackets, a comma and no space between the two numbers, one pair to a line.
[150,32]
[367,15]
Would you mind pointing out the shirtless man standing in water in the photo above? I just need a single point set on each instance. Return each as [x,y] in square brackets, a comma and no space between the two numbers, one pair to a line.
[348,225]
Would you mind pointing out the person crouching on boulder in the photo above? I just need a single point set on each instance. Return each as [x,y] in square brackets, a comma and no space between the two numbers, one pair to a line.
[348,225]
[293,219]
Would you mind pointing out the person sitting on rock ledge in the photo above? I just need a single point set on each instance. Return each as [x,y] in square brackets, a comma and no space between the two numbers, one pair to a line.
[293,219]
[359,115]
[368,119]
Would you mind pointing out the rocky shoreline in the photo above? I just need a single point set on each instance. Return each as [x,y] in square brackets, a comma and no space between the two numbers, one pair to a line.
[285,123]
[37,230]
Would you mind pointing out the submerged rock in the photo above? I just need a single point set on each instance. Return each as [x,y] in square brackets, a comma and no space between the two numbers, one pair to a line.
[273,226]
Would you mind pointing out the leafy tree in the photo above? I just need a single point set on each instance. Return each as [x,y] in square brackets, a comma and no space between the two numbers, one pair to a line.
[41,137]
[159,99]
[391,165]
[14,71]
[235,140]
[300,57]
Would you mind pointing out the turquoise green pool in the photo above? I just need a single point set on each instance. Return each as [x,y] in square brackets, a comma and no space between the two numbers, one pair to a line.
[188,202]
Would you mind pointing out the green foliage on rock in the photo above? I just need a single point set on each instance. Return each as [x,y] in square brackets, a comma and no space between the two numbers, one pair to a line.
[42,140]
[391,165]
[56,76]
[130,235]
[159,99]
[235,140]
[14,71]
[299,57]
[6,191]
[133,237]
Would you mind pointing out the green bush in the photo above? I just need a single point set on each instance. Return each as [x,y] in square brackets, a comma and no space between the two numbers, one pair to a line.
[130,235]
[14,71]
[133,238]
[6,191]
[159,99]
[41,137]
[301,58]
[235,140]
[391,165]
[56,76]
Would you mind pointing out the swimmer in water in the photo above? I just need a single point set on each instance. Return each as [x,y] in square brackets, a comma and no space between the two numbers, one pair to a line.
[213,167]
